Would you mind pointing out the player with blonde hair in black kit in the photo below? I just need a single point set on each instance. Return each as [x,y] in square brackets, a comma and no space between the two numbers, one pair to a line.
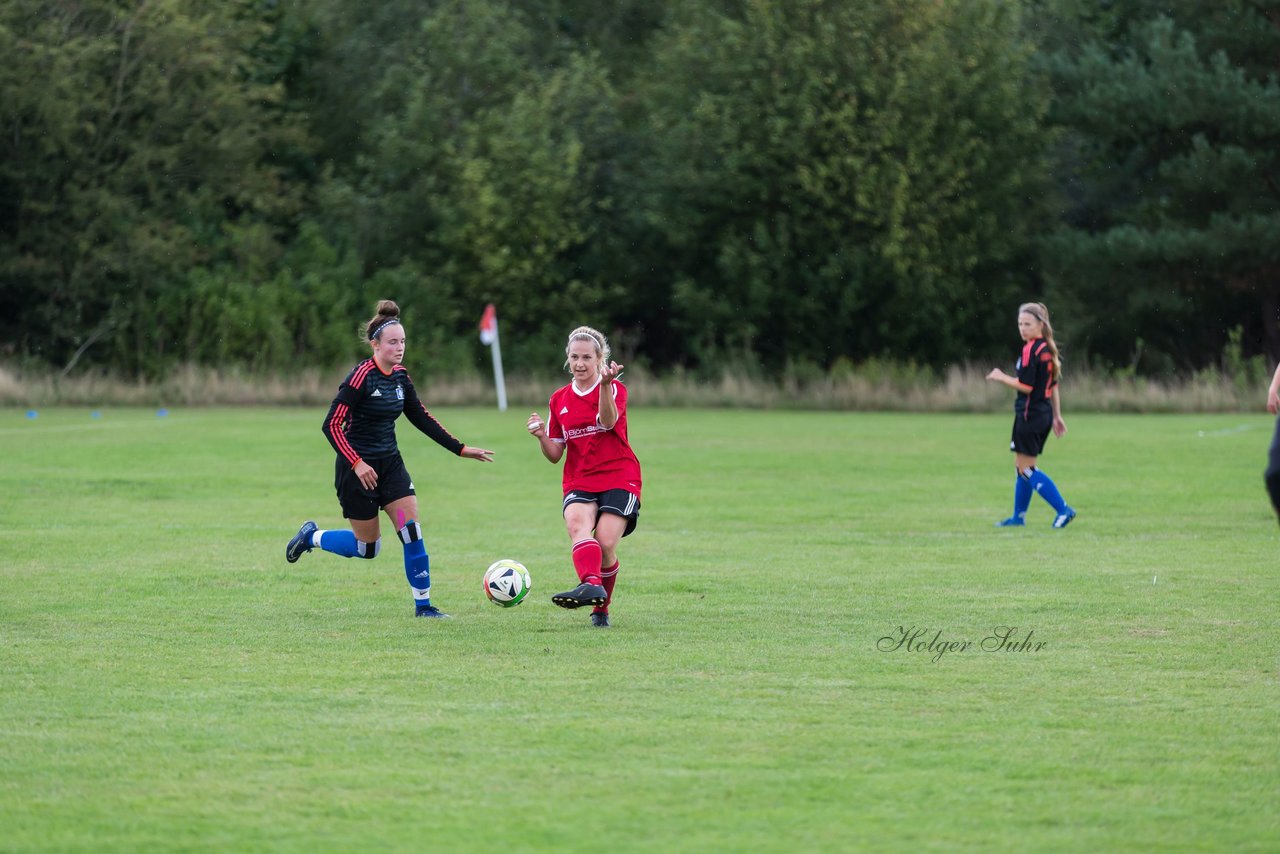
[369,473]
[1037,410]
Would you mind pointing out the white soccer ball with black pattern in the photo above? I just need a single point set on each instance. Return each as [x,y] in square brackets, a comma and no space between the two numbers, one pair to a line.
[506,583]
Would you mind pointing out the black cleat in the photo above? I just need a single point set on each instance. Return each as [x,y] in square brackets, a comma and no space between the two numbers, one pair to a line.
[600,620]
[300,543]
[583,594]
[431,611]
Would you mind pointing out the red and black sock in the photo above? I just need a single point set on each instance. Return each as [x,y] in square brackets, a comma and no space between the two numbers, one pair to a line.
[608,577]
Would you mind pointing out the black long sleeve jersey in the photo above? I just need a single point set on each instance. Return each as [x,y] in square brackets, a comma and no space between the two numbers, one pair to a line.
[362,419]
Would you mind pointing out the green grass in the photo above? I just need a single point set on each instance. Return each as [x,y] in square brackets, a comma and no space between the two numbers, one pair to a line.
[168,682]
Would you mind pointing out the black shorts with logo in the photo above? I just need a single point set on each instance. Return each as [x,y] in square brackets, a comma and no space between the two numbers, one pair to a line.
[360,503]
[1031,432]
[619,502]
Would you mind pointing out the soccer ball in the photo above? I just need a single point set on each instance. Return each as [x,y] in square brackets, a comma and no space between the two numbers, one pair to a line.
[506,583]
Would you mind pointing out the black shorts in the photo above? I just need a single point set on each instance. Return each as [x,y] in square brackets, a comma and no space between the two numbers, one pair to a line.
[619,502]
[1030,433]
[360,503]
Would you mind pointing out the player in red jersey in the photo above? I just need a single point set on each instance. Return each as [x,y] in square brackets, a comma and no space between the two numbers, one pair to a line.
[1037,410]
[369,473]
[586,425]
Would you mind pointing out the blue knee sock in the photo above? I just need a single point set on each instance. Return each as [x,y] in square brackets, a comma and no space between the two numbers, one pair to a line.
[345,543]
[1021,496]
[1045,487]
[417,563]
[340,542]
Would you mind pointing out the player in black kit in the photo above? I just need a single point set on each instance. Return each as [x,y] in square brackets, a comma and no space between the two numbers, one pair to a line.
[369,474]
[1037,410]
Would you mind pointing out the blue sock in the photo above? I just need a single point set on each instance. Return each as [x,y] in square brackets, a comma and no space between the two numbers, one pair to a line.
[340,543]
[344,543]
[417,563]
[1043,485]
[1021,496]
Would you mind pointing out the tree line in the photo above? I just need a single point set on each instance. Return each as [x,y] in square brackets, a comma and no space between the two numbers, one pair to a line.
[762,184]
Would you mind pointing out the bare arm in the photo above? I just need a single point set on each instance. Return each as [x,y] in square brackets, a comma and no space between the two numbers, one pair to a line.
[1059,426]
[1001,377]
[608,414]
[550,448]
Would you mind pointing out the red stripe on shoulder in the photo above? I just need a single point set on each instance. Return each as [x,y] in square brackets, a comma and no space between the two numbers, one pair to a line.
[361,371]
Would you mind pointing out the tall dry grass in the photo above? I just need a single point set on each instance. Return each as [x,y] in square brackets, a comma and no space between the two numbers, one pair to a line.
[871,387]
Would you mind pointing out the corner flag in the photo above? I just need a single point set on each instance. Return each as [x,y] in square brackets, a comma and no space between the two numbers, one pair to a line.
[489,337]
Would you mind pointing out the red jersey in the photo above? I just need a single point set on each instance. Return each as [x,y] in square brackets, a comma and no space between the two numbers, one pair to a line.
[595,459]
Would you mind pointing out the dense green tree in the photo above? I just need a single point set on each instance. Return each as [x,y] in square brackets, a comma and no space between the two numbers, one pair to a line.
[844,179]
[135,142]
[618,32]
[1171,231]
[483,180]
[470,58]
[783,183]
[530,197]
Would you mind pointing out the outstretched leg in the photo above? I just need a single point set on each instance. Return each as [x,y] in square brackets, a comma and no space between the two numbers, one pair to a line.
[362,541]
[580,520]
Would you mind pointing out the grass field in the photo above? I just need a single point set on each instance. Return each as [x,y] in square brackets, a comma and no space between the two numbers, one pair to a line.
[169,682]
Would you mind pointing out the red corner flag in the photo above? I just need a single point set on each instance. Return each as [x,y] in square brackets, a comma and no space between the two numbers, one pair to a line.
[489,325]
[489,337]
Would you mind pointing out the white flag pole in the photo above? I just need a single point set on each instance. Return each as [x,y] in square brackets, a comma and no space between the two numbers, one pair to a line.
[498,379]
[489,337]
